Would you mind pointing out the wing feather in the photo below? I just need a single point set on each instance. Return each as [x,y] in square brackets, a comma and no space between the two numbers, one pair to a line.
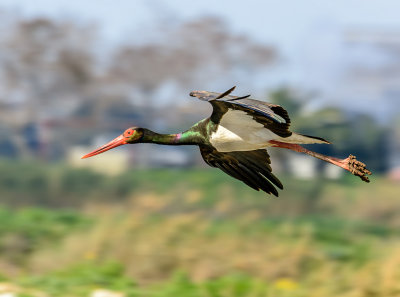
[272,116]
[251,167]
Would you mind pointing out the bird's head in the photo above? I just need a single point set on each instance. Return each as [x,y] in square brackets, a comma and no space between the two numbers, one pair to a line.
[130,135]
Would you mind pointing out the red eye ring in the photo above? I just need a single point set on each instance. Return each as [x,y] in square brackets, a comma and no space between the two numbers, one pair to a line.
[129,132]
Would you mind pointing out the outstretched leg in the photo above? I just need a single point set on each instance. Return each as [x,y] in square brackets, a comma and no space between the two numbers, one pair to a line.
[350,163]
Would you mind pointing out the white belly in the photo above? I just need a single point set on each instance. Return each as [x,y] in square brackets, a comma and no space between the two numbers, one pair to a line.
[225,140]
[237,131]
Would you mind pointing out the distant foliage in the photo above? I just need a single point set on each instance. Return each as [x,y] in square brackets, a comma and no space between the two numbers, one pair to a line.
[196,233]
[25,231]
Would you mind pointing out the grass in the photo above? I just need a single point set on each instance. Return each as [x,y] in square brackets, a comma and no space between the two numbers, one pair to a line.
[199,233]
[24,231]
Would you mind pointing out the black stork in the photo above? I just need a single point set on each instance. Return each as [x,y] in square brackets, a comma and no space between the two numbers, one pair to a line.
[235,139]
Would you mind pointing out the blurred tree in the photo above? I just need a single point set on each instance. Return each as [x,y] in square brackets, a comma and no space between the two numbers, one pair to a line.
[288,99]
[203,51]
[46,66]
[44,57]
[394,142]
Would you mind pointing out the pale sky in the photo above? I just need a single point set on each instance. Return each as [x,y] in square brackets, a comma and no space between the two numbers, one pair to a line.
[281,22]
[307,33]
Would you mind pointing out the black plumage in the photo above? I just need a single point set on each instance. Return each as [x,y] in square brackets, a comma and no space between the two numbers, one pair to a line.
[251,167]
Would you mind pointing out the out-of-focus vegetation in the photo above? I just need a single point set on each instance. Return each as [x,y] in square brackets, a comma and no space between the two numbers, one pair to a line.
[195,233]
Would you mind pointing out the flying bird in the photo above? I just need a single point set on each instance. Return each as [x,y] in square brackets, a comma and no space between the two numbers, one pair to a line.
[235,139]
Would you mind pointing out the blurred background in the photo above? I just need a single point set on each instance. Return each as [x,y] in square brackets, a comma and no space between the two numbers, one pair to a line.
[148,220]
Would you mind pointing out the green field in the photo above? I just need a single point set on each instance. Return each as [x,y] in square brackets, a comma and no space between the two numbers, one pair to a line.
[70,232]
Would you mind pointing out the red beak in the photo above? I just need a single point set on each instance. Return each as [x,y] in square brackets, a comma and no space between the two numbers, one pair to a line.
[120,140]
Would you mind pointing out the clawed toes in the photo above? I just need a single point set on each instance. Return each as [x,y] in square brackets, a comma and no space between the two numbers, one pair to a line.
[358,168]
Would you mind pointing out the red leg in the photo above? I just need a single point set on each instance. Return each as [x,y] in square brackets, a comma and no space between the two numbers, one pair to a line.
[350,163]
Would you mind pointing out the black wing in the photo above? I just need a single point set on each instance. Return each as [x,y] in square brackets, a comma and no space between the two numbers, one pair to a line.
[273,117]
[251,167]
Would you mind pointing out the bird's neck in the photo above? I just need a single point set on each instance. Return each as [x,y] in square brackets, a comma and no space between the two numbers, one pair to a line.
[189,137]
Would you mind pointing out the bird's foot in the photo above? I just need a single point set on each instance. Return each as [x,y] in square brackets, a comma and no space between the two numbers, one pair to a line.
[357,168]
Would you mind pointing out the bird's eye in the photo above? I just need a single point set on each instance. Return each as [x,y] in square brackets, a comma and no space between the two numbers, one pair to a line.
[129,132]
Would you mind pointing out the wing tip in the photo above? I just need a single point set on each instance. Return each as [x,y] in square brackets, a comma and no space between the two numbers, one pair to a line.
[204,94]
[226,93]
[195,93]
